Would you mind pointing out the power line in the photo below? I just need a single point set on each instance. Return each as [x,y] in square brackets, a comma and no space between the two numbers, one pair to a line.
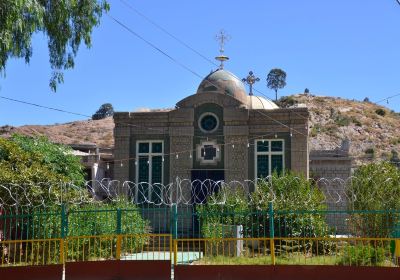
[164,30]
[154,46]
[167,32]
[176,61]
[44,107]
[135,10]
[387,98]
[246,142]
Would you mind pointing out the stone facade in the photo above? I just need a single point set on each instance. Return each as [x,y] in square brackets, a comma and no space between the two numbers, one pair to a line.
[238,129]
[219,133]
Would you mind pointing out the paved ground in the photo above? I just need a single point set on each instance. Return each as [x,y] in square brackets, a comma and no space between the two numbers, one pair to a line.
[183,257]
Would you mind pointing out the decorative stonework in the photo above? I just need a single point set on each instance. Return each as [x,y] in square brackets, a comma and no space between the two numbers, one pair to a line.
[208,152]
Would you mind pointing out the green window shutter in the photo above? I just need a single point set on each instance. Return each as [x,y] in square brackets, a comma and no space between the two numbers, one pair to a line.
[277,163]
[276,146]
[262,146]
[156,178]
[262,166]
[144,148]
[157,147]
[156,168]
[143,171]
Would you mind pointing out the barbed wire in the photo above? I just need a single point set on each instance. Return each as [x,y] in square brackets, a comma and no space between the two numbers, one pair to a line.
[336,192]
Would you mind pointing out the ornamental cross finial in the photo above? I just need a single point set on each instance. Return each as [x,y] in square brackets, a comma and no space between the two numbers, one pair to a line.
[222,37]
[250,80]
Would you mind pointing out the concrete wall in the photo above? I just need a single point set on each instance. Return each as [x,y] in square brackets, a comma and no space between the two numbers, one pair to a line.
[332,170]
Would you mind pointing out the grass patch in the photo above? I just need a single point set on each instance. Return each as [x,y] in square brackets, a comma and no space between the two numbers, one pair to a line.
[298,259]
[293,259]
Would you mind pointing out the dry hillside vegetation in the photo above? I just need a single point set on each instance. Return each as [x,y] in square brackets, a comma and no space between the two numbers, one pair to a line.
[374,130]
[99,132]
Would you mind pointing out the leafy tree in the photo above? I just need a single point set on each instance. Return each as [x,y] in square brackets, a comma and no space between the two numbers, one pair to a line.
[57,157]
[276,79]
[66,24]
[375,187]
[35,164]
[105,110]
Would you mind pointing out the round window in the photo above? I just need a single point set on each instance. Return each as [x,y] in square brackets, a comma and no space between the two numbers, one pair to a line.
[208,122]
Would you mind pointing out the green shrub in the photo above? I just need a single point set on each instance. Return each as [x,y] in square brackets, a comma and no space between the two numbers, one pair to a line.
[362,255]
[341,120]
[376,187]
[290,194]
[380,112]
[315,130]
[228,209]
[370,152]
[287,101]
[94,219]
[356,121]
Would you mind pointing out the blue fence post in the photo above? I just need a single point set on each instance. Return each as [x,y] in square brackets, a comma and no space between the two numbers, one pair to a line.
[64,221]
[118,232]
[174,231]
[119,221]
[64,232]
[271,231]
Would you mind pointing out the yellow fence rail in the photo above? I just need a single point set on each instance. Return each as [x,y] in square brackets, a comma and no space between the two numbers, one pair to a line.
[31,252]
[86,248]
[288,251]
[206,251]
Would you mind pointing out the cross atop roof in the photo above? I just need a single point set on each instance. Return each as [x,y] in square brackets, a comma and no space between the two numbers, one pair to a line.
[250,80]
[222,37]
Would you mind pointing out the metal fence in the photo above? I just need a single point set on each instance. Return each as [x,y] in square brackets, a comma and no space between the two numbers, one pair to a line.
[185,224]
[189,222]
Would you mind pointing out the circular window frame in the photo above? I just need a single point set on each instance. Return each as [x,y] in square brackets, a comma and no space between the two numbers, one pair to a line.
[202,116]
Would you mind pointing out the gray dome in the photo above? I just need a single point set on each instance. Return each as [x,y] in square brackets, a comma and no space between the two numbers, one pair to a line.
[224,82]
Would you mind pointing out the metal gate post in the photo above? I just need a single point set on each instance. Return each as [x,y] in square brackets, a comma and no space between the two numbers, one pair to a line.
[174,224]
[64,232]
[271,231]
[119,237]
[174,231]
[64,221]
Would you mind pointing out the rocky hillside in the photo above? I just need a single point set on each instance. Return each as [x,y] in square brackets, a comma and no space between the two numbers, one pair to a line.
[99,132]
[374,130]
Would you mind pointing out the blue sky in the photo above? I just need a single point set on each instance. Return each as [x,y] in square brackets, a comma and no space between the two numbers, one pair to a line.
[338,48]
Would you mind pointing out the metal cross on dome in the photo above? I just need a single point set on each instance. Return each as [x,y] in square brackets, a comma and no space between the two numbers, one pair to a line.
[250,80]
[222,37]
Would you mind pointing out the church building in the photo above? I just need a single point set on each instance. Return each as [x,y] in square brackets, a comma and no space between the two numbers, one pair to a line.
[221,132]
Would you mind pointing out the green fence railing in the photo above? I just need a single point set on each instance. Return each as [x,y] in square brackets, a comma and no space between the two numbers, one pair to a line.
[189,222]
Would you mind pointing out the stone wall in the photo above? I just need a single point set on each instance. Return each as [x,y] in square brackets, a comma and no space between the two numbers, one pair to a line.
[332,170]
